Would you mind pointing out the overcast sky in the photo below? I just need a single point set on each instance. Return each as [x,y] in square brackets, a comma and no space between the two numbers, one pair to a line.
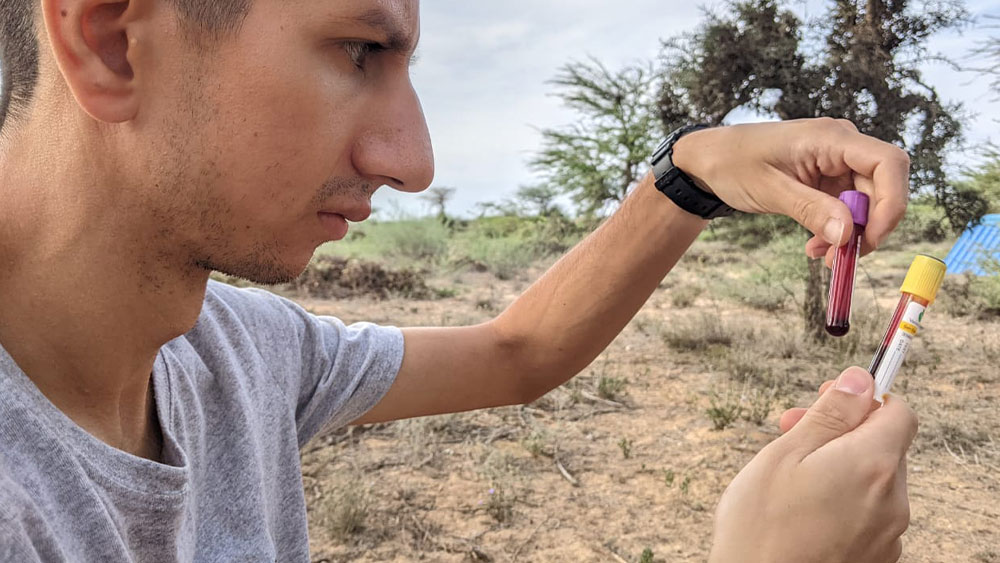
[483,69]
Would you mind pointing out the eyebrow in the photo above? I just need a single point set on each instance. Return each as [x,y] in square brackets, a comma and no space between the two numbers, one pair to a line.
[397,38]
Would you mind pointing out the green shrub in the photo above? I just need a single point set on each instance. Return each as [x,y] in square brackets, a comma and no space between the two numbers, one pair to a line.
[923,222]
[684,296]
[724,408]
[751,230]
[856,347]
[611,388]
[420,242]
[971,296]
[690,335]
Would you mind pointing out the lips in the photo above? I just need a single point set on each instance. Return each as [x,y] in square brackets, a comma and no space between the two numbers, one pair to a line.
[354,214]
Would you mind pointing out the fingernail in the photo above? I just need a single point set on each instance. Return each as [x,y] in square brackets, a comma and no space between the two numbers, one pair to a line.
[833,230]
[854,382]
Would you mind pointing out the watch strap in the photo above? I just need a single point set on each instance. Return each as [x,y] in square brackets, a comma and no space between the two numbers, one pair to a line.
[680,187]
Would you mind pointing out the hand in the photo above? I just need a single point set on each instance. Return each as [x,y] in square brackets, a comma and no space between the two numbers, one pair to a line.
[832,489]
[798,168]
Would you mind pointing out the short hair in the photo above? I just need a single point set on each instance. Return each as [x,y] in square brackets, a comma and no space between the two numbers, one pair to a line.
[19,43]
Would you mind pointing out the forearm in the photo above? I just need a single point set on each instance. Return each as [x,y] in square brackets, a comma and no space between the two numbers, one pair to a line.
[557,327]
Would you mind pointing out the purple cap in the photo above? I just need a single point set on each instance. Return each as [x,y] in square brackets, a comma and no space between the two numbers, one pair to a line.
[857,202]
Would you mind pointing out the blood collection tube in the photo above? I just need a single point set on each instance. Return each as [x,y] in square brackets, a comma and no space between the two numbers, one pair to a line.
[919,290]
[845,261]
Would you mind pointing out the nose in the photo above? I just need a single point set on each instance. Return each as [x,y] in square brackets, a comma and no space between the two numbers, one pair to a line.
[396,148]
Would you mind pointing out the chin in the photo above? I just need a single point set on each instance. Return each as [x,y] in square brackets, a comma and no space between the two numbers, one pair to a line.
[264,268]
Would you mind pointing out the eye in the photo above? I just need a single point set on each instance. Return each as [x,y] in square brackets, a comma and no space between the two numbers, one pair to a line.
[359,51]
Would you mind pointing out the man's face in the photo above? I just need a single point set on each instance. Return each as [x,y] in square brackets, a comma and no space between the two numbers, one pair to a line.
[255,150]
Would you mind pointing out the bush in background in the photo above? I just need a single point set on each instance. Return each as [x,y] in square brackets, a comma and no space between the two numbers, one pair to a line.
[502,245]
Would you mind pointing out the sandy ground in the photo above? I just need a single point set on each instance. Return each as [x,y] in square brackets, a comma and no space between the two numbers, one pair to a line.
[605,471]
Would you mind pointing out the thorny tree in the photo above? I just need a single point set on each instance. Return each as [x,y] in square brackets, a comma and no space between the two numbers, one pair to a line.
[756,56]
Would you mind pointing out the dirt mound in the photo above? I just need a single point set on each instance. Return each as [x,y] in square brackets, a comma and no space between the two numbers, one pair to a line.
[335,277]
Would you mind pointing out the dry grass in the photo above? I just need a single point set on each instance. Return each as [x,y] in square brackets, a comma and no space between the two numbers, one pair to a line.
[625,460]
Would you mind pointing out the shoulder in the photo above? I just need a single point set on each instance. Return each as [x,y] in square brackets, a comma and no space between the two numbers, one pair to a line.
[221,296]
[238,321]
[246,309]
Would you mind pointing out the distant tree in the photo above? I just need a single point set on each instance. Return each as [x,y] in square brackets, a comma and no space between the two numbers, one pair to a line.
[506,207]
[987,55]
[438,198]
[599,158]
[754,56]
[539,199]
[985,180]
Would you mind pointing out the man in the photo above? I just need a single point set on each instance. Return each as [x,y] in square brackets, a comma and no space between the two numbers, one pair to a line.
[147,414]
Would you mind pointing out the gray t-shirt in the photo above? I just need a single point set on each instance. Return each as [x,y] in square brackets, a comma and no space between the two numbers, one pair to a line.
[237,397]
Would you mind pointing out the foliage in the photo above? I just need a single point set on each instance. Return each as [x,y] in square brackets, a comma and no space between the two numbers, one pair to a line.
[975,296]
[604,153]
[754,56]
[989,52]
[924,222]
[540,200]
[416,242]
[985,180]
[611,388]
[438,198]
[503,245]
[748,230]
[724,408]
[696,334]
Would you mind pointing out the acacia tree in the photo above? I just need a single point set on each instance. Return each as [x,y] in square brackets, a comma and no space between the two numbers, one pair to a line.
[988,54]
[754,56]
[438,198]
[540,199]
[600,157]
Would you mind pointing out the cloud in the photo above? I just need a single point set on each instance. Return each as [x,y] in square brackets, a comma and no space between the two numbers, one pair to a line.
[484,67]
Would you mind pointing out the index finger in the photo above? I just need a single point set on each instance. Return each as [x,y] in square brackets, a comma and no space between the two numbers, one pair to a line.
[884,171]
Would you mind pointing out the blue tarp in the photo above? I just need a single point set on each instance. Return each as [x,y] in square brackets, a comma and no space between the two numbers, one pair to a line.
[975,244]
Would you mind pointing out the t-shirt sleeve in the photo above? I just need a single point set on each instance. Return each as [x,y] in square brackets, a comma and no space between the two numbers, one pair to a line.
[332,372]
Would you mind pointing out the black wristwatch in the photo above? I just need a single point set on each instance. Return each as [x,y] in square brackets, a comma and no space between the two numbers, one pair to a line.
[678,186]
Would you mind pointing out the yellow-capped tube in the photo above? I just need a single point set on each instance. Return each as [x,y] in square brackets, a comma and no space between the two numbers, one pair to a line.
[919,290]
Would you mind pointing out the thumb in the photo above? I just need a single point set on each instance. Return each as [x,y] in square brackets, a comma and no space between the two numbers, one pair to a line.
[824,215]
[838,411]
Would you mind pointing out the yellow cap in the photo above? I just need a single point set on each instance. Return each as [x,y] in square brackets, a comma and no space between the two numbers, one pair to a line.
[925,277]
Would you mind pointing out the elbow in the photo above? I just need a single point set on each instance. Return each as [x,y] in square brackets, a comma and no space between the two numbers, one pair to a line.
[529,391]
[521,364]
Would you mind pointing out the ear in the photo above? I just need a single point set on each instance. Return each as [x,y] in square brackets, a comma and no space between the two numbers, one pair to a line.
[90,41]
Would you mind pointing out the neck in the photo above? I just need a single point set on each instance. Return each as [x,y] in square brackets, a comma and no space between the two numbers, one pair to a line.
[89,294]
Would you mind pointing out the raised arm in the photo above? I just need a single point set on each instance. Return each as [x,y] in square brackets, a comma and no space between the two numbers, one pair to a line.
[563,321]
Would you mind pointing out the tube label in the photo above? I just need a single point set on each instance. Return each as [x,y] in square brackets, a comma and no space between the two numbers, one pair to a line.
[908,327]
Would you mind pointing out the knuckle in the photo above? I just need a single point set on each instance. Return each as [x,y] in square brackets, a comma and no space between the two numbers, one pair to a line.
[901,520]
[912,423]
[881,473]
[895,523]
[909,421]
[895,551]
[900,157]
[829,125]
[847,124]
[804,209]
